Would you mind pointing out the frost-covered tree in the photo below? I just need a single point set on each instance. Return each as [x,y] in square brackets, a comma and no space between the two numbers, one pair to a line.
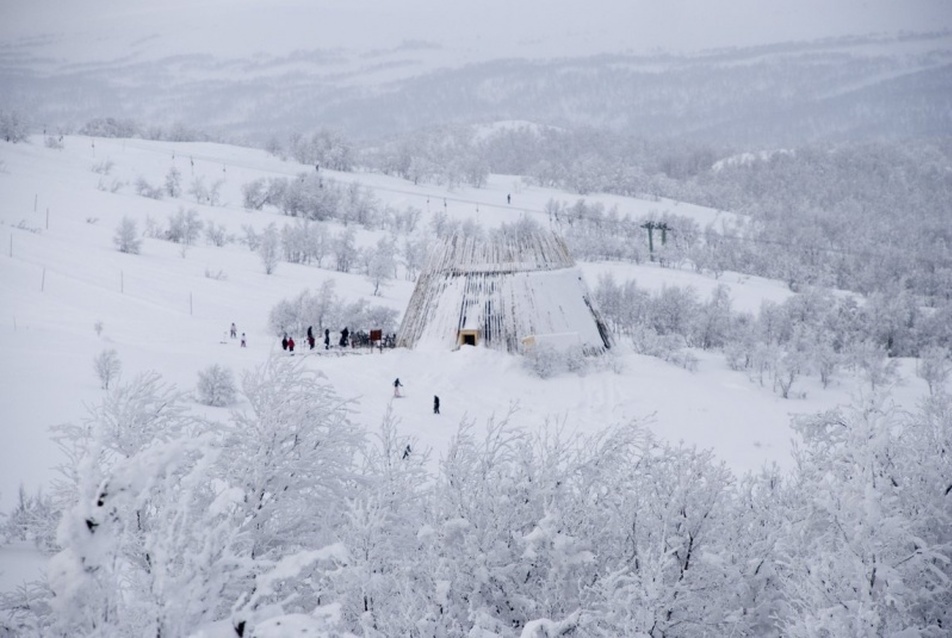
[127,238]
[14,127]
[297,450]
[382,526]
[251,237]
[345,250]
[173,182]
[254,194]
[216,386]
[178,524]
[865,551]
[413,256]
[126,463]
[107,367]
[714,322]
[184,227]
[874,363]
[381,264]
[269,248]
[934,367]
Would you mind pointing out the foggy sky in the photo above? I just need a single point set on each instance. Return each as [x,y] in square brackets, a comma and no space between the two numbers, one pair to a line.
[469,31]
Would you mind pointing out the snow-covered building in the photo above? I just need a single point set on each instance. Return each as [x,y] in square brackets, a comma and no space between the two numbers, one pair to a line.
[511,292]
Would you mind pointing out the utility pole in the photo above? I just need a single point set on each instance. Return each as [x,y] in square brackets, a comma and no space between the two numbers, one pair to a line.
[651,226]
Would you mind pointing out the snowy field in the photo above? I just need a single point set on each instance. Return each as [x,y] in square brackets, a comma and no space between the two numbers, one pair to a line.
[61,275]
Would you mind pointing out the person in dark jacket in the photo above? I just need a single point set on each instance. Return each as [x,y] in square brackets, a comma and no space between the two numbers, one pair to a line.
[284,341]
[327,338]
[343,337]
[310,337]
[436,404]
[396,387]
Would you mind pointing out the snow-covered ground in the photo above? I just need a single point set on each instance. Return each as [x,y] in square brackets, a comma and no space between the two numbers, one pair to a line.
[60,275]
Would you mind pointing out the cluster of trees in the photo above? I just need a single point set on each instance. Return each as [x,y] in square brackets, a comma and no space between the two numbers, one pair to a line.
[445,155]
[814,333]
[286,512]
[130,128]
[315,197]
[14,126]
[325,309]
[326,148]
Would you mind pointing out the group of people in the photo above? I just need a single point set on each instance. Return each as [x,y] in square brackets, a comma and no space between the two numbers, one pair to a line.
[287,342]
[347,339]
[233,333]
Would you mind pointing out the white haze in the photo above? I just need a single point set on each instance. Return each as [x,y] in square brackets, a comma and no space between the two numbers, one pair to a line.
[464,31]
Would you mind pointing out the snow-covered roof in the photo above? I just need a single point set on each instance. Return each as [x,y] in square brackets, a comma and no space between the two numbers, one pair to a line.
[506,289]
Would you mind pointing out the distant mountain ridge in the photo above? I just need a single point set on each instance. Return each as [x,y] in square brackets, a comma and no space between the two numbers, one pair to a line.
[843,88]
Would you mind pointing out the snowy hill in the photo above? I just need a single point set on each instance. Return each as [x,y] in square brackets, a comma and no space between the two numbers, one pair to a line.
[168,309]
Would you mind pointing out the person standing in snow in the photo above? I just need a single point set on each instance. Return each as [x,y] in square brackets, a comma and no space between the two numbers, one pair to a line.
[436,404]
[327,338]
[291,345]
[396,387]
[234,330]
[244,344]
[343,337]
[284,341]
[310,337]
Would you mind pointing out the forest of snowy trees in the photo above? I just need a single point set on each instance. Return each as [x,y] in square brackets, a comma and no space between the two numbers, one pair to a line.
[174,524]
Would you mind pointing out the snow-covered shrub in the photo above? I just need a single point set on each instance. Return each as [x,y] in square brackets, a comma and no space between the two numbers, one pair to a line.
[145,189]
[126,238]
[216,386]
[737,356]
[104,167]
[107,366]
[217,234]
[33,519]
[112,187]
[546,360]
[217,276]
[667,347]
